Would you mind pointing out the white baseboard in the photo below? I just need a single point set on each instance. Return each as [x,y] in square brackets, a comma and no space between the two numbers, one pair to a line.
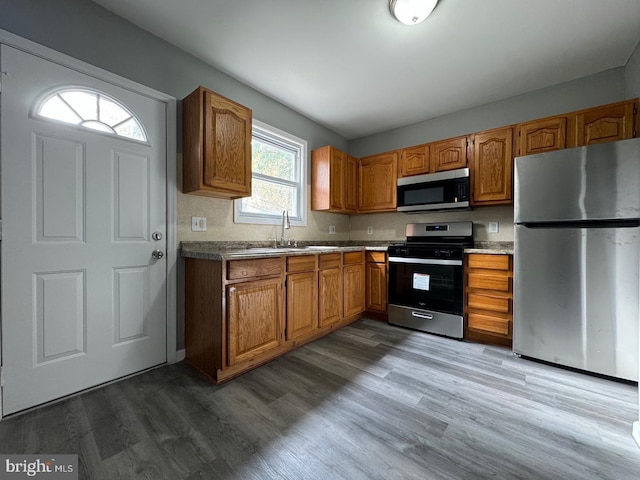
[636,432]
[180,355]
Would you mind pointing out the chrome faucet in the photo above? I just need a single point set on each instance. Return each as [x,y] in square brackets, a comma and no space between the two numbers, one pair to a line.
[285,224]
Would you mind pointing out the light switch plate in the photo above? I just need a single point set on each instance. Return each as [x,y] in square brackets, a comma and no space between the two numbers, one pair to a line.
[198,224]
[493,227]
[332,229]
[369,230]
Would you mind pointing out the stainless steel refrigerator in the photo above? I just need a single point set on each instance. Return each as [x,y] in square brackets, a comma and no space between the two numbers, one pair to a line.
[576,263]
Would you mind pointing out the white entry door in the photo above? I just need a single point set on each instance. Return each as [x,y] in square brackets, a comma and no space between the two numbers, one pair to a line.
[83,210]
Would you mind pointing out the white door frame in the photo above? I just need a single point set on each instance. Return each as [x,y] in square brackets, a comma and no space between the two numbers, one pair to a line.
[47,53]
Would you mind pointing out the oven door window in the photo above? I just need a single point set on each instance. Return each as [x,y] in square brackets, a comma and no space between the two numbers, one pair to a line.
[426,286]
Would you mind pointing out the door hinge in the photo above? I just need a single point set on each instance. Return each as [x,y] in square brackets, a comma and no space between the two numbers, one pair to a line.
[1,376]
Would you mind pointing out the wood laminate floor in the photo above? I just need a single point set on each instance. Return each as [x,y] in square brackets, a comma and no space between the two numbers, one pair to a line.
[367,402]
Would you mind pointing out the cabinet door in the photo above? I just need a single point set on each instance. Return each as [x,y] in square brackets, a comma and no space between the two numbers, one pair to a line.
[330,292]
[448,154]
[329,179]
[350,184]
[336,180]
[606,124]
[376,282]
[302,305]
[254,318]
[414,161]
[492,167]
[377,182]
[542,136]
[354,295]
[227,146]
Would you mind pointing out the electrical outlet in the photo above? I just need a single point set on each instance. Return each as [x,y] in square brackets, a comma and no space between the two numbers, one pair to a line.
[332,229]
[493,227]
[198,224]
[369,230]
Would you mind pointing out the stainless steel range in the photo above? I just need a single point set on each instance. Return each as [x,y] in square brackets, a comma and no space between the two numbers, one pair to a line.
[426,278]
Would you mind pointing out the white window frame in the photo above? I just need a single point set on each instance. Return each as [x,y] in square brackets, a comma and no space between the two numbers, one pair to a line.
[269,133]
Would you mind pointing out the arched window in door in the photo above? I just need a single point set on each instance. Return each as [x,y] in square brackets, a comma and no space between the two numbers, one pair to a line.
[93,110]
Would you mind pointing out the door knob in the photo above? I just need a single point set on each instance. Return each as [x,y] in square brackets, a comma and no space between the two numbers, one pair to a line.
[156,236]
[157,254]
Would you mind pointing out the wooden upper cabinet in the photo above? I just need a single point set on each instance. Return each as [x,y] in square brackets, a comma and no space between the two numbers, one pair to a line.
[543,135]
[492,167]
[449,154]
[377,182]
[333,180]
[216,146]
[413,161]
[609,123]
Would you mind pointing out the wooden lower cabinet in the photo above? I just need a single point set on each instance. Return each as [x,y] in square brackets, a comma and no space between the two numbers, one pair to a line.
[330,296]
[489,298]
[240,314]
[302,297]
[376,283]
[254,318]
[354,283]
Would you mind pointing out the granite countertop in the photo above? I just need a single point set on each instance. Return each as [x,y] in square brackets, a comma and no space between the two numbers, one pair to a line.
[247,250]
[491,248]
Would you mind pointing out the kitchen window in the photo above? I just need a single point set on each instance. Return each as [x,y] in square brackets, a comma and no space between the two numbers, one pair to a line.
[278,180]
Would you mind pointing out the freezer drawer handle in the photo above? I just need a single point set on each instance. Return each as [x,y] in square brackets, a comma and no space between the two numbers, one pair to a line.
[422,315]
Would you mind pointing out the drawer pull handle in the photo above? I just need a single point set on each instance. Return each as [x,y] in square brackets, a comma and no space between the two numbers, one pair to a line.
[422,315]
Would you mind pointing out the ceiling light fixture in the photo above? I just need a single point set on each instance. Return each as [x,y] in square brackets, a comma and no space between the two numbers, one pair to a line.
[411,12]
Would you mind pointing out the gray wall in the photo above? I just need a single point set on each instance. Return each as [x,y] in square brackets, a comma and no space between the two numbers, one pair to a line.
[87,31]
[632,74]
[601,88]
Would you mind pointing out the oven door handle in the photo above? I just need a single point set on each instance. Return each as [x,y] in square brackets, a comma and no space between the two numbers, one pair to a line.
[424,261]
[422,315]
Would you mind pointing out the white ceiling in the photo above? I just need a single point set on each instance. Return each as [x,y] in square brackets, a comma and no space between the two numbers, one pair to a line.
[349,65]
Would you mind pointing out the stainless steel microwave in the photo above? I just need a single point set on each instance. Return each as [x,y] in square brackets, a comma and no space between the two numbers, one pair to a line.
[434,191]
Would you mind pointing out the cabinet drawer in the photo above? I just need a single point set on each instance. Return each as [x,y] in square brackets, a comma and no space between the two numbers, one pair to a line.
[489,281]
[487,323]
[376,257]
[261,267]
[488,261]
[353,257]
[494,303]
[302,263]
[330,260]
